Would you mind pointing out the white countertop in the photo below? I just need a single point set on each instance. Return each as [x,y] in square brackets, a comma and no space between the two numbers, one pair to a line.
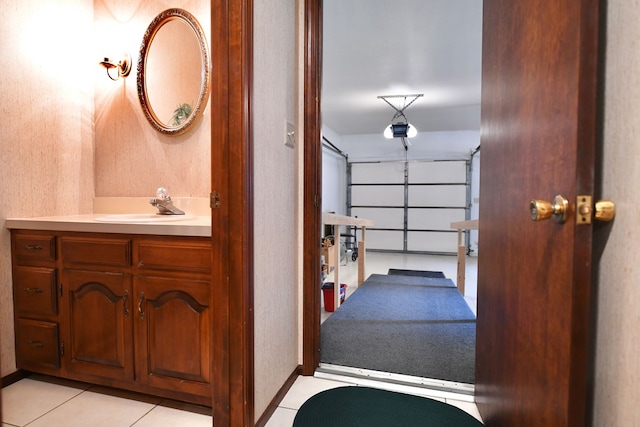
[200,226]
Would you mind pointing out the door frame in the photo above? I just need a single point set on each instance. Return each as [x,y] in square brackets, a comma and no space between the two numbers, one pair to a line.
[232,337]
[312,186]
[312,201]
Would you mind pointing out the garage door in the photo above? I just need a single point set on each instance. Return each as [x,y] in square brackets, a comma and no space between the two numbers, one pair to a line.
[412,203]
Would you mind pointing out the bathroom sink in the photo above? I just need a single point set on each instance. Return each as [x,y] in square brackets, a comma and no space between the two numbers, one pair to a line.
[142,218]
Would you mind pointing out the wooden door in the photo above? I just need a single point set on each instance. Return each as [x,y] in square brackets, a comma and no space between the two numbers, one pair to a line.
[172,328]
[99,324]
[538,139]
[231,302]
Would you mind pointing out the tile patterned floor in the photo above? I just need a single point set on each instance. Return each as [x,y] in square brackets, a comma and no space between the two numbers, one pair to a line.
[38,402]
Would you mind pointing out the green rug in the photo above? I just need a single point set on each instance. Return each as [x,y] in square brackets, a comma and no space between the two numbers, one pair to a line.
[369,407]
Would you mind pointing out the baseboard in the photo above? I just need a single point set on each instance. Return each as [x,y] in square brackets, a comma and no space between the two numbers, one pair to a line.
[14,378]
[268,413]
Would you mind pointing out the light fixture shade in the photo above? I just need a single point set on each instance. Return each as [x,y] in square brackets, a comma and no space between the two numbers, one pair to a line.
[411,131]
[400,130]
[388,133]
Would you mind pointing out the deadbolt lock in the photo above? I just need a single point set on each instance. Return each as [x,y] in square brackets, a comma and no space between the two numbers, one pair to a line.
[603,210]
[542,209]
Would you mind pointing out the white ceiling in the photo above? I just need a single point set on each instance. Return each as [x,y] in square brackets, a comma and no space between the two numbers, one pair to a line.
[399,47]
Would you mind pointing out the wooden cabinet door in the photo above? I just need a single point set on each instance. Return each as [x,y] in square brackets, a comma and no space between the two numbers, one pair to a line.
[100,335]
[172,328]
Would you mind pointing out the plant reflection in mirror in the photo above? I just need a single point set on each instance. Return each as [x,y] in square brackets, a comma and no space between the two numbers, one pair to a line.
[181,114]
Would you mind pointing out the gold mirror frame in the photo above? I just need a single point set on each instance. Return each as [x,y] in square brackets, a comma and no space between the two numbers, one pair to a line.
[157,23]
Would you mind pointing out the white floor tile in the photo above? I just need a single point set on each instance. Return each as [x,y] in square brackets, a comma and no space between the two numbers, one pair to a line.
[97,410]
[282,417]
[27,399]
[161,416]
[304,388]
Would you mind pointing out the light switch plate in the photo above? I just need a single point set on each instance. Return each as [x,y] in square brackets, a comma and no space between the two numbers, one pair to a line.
[289,134]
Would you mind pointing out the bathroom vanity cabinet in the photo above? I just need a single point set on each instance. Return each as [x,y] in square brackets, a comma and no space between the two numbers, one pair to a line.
[128,311]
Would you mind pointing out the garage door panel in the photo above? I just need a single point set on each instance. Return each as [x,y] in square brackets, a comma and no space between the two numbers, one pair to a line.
[425,241]
[385,239]
[438,172]
[377,173]
[383,217]
[377,195]
[438,195]
[433,219]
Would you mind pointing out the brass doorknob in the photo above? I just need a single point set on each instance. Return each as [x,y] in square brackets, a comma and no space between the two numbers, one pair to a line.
[542,209]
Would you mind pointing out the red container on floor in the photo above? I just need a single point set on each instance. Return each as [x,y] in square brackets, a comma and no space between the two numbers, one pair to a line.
[327,294]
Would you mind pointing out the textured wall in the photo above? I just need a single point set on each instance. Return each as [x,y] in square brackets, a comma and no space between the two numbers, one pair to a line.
[618,337]
[46,146]
[132,159]
[275,297]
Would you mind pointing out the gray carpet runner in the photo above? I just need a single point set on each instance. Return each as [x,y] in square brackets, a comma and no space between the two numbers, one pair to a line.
[418,326]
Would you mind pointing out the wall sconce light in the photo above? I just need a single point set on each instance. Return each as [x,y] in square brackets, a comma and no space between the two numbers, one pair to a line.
[123,66]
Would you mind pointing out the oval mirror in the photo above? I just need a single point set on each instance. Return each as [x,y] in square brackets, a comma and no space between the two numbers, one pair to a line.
[173,72]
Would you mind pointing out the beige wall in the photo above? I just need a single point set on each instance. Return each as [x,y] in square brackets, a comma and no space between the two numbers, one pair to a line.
[618,337]
[276,332]
[46,142]
[131,158]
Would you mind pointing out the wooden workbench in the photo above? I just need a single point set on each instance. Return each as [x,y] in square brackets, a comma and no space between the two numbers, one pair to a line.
[337,221]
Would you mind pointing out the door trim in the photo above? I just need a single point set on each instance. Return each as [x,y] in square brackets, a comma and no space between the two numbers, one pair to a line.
[312,187]
[232,326]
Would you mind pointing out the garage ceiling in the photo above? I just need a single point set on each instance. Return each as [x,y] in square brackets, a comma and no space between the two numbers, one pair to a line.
[376,47]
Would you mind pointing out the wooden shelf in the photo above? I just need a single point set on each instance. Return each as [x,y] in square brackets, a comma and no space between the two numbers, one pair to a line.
[332,257]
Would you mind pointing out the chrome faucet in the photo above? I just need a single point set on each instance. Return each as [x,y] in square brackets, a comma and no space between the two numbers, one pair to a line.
[163,202]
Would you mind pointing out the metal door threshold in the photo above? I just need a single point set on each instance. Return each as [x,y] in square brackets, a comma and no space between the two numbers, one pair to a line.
[397,382]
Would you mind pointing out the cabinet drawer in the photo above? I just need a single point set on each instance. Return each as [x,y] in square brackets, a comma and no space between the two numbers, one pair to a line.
[82,250]
[34,247]
[34,290]
[37,344]
[175,256]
